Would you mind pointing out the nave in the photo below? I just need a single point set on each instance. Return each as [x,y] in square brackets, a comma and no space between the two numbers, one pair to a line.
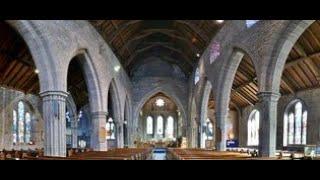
[159,89]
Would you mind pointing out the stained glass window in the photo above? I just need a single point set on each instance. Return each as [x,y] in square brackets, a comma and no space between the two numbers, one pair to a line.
[253,128]
[21,122]
[295,124]
[209,132]
[160,102]
[14,127]
[170,127]
[214,51]
[250,23]
[291,128]
[160,125]
[21,129]
[285,130]
[28,128]
[298,122]
[149,125]
[304,127]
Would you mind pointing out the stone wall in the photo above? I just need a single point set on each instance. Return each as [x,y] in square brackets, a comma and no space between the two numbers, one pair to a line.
[8,101]
[311,99]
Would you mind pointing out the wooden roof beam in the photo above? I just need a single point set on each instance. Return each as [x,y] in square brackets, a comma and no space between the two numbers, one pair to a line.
[121,28]
[123,42]
[155,45]
[246,84]
[296,61]
[196,29]
[167,32]
[242,97]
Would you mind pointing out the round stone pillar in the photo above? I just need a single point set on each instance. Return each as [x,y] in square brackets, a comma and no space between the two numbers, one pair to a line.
[98,136]
[54,115]
[268,102]
[221,134]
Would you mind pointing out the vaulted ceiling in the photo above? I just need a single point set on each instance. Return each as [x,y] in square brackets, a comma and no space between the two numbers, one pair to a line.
[177,41]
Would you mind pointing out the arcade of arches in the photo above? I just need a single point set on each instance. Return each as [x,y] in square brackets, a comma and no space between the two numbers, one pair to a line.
[198,89]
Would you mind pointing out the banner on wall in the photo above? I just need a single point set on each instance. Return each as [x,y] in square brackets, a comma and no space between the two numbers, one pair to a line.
[232,143]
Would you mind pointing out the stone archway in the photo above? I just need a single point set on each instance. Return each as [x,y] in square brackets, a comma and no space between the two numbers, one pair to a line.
[147,96]
[282,49]
[40,52]
[113,96]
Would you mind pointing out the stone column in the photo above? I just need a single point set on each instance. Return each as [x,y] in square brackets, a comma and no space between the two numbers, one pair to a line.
[54,115]
[221,134]
[74,128]
[120,140]
[268,102]
[98,135]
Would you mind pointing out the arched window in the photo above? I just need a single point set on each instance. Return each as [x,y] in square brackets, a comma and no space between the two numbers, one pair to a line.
[160,125]
[250,23]
[21,124]
[295,124]
[253,128]
[149,125]
[28,127]
[209,129]
[170,127]
[197,76]
[110,128]
[15,127]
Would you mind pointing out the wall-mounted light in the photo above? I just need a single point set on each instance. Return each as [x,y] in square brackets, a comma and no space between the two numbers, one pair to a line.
[36,71]
[117,68]
[219,21]
[198,55]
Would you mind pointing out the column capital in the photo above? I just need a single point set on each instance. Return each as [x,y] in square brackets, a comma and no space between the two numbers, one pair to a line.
[54,93]
[99,113]
[268,96]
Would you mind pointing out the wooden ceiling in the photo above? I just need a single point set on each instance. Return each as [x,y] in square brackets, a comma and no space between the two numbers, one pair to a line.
[16,64]
[132,40]
[302,70]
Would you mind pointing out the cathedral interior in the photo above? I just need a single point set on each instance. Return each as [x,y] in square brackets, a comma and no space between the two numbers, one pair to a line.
[159,89]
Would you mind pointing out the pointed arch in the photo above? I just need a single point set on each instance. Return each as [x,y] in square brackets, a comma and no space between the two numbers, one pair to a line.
[281,52]
[96,101]
[155,91]
[226,82]
[39,49]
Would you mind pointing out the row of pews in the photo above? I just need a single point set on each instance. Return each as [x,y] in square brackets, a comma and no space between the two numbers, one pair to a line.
[79,154]
[114,154]
[202,154]
[20,154]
